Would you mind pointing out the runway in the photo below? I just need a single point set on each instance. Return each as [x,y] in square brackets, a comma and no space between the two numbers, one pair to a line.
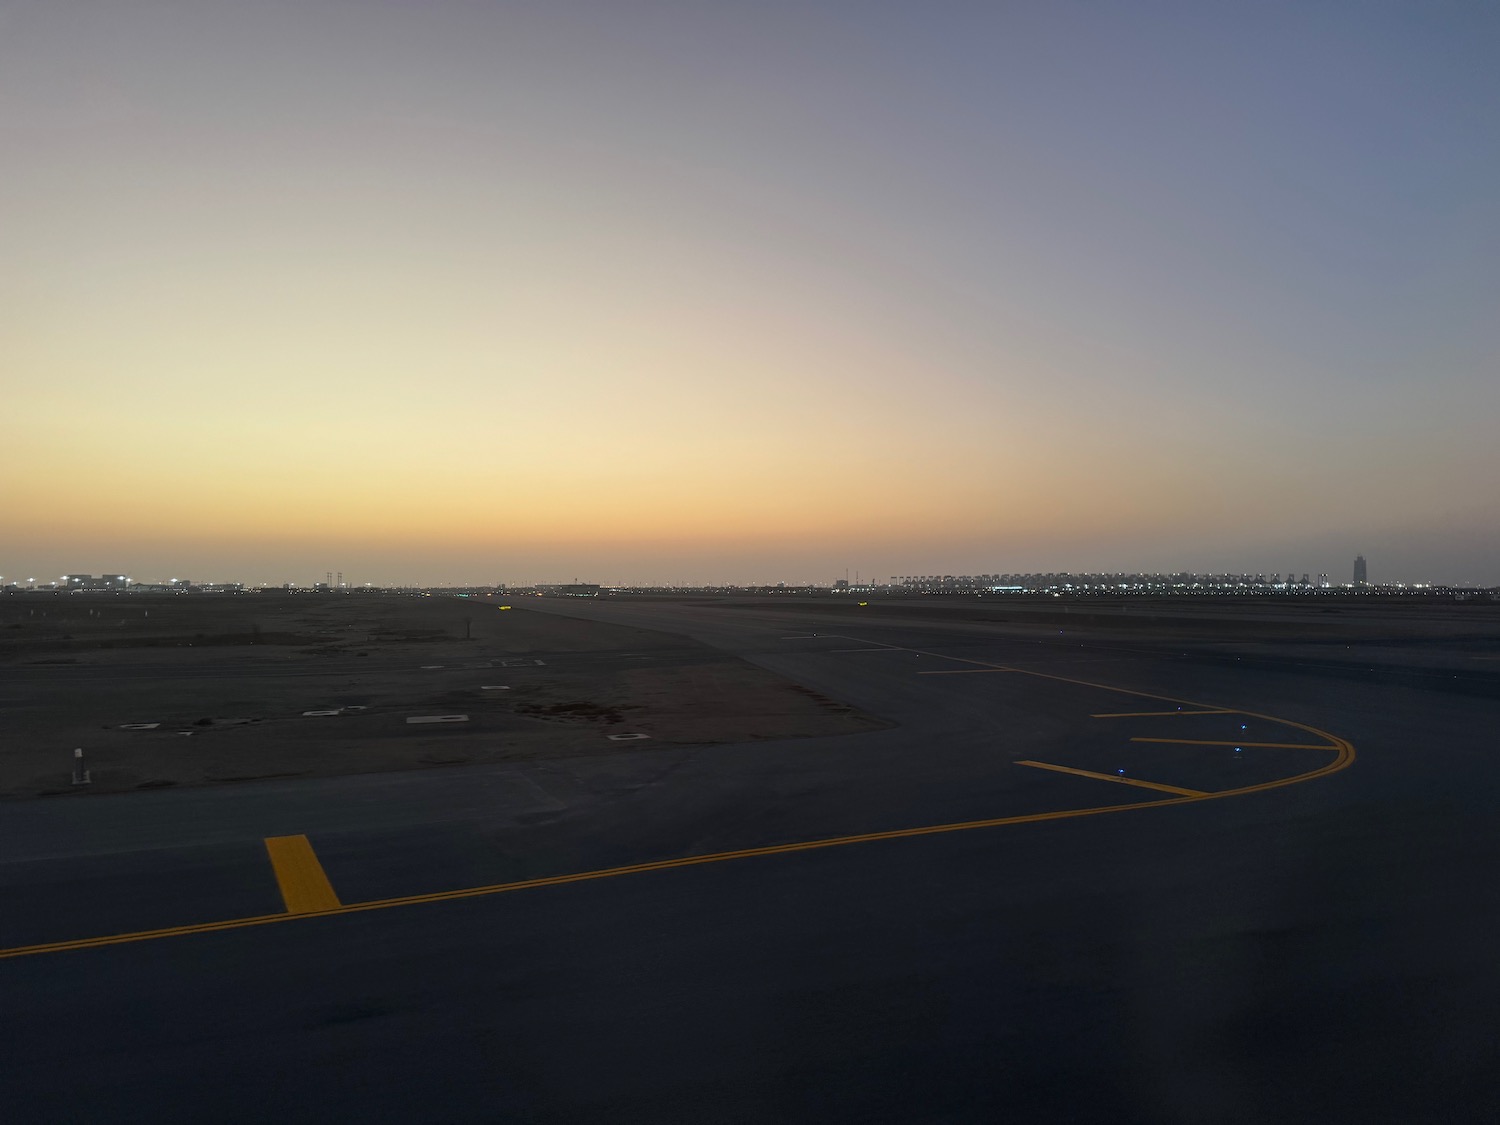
[1072,881]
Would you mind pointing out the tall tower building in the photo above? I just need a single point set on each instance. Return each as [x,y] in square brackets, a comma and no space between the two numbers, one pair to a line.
[1359,570]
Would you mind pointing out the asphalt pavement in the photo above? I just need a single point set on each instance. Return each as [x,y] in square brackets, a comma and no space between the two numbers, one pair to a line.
[1076,879]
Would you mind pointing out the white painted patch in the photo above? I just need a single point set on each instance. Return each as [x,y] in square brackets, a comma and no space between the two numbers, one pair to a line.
[627,737]
[139,726]
[430,667]
[437,718]
[310,714]
[495,687]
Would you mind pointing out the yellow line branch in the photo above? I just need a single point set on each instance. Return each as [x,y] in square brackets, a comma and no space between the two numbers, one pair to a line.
[304,887]
[1117,779]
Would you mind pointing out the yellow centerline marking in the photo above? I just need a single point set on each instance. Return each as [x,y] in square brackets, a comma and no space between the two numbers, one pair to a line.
[1343,759]
[1149,714]
[578,877]
[1117,778]
[304,887]
[1211,742]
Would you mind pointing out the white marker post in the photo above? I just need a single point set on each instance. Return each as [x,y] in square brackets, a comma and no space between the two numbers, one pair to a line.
[80,775]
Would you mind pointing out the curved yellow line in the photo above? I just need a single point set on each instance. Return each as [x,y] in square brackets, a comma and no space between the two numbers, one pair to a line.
[1344,757]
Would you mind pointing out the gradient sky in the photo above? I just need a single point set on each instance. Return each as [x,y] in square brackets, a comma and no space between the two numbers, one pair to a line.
[681,292]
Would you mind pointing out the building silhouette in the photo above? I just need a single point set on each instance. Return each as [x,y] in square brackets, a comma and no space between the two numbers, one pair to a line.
[1359,570]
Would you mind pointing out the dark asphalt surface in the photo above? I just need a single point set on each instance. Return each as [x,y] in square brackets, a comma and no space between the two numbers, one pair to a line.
[1316,952]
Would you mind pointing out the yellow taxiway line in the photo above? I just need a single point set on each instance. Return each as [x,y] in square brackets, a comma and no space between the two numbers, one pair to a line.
[304,887]
[575,877]
[1117,779]
[1343,758]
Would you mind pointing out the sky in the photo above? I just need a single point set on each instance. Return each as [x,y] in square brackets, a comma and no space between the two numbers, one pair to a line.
[671,292]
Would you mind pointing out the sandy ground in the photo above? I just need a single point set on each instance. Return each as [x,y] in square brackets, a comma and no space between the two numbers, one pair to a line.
[227,681]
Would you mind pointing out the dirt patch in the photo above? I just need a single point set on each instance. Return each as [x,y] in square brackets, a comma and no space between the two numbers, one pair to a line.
[215,689]
[578,710]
